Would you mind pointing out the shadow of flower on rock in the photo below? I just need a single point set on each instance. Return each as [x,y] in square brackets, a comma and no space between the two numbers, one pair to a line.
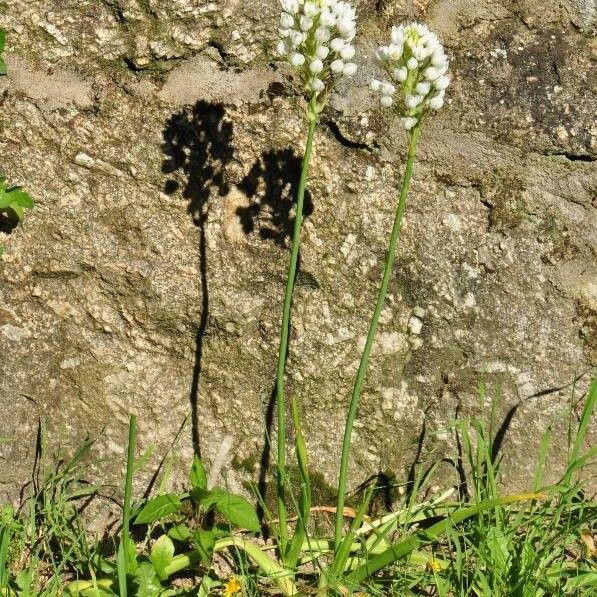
[198,149]
[272,185]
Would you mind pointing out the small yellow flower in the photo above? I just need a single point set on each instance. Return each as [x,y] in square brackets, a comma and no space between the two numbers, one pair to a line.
[433,565]
[232,587]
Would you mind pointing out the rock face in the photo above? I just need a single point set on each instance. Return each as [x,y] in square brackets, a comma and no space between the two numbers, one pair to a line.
[162,143]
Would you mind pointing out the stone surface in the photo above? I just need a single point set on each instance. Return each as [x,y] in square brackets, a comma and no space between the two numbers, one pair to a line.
[162,141]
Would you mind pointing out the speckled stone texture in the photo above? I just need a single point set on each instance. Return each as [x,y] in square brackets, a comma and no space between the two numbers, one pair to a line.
[162,142]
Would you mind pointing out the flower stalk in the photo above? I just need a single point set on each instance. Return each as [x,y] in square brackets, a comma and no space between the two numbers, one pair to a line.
[285,329]
[360,378]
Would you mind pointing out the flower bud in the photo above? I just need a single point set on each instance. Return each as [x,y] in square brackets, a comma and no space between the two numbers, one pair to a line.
[337,66]
[401,74]
[423,88]
[350,68]
[337,44]
[297,59]
[412,63]
[316,66]
[386,101]
[435,103]
[286,20]
[409,123]
[441,83]
[347,52]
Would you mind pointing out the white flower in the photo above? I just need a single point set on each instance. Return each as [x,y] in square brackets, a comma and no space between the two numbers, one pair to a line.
[441,83]
[350,68]
[316,36]
[306,23]
[347,52]
[394,51]
[423,88]
[387,88]
[337,66]
[322,34]
[316,66]
[286,20]
[412,101]
[416,65]
[337,44]
[435,103]
[431,73]
[409,122]
[317,85]
[400,74]
[311,9]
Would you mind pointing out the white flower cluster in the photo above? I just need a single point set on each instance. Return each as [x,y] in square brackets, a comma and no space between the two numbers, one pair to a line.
[316,38]
[416,65]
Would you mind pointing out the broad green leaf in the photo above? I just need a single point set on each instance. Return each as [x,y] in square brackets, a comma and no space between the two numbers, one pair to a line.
[180,532]
[204,543]
[162,553]
[198,476]
[237,510]
[2,39]
[147,582]
[19,196]
[158,507]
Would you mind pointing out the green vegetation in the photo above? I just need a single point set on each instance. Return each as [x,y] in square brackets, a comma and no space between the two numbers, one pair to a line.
[13,200]
[535,544]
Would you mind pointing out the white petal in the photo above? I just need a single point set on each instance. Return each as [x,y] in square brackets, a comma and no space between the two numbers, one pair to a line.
[337,66]
[423,88]
[316,66]
[347,52]
[297,59]
[337,44]
[436,103]
[375,84]
[401,74]
[412,63]
[322,52]
[386,101]
[350,68]
[441,83]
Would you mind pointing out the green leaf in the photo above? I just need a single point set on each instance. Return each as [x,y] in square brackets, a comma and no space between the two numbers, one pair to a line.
[162,553]
[3,70]
[198,476]
[1,249]
[158,507]
[2,39]
[204,543]
[19,196]
[237,510]
[147,582]
[180,532]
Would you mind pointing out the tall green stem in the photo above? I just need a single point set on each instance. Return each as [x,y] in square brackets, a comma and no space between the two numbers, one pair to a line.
[358,385]
[284,332]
